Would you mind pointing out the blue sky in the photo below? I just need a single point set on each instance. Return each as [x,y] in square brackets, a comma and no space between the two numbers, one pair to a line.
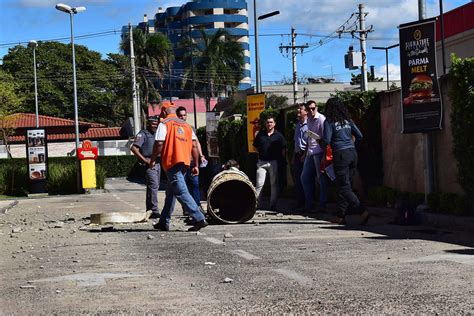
[24,20]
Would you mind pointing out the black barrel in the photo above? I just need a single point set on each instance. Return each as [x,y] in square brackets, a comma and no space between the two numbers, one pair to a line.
[231,198]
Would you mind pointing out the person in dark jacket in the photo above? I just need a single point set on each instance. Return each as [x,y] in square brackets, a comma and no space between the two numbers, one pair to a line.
[341,132]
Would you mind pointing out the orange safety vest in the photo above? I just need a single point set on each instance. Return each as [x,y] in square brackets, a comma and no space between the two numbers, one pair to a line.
[178,143]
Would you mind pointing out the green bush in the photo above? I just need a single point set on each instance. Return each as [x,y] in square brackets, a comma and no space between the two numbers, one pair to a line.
[13,177]
[61,174]
[462,121]
[433,201]
[62,177]
[382,196]
[116,166]
[100,175]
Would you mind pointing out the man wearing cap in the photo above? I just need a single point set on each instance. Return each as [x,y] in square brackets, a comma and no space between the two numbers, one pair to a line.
[142,148]
[175,143]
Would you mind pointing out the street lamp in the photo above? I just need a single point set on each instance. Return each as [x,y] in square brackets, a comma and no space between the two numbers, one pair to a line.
[33,44]
[257,60]
[71,11]
[386,58]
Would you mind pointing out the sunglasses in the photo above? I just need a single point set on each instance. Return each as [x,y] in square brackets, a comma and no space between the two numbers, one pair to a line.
[312,109]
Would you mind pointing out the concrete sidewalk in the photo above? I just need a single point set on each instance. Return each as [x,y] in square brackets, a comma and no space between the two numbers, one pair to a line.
[122,195]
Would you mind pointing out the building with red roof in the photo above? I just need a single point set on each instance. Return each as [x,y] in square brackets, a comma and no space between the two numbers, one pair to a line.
[61,135]
[458,35]
[189,105]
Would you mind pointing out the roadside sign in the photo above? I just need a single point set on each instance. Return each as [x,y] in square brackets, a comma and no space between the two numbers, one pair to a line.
[421,104]
[37,156]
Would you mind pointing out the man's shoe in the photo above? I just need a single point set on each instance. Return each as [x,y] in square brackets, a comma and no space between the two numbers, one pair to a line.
[161,227]
[155,215]
[196,227]
[338,220]
[189,221]
[364,217]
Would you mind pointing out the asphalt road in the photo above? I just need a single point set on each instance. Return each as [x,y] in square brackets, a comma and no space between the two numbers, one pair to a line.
[54,263]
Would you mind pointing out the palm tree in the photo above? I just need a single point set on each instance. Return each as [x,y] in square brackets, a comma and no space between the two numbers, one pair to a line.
[218,63]
[153,54]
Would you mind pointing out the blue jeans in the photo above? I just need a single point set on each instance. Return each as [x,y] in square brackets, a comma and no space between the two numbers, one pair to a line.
[297,171]
[176,187]
[193,186]
[308,176]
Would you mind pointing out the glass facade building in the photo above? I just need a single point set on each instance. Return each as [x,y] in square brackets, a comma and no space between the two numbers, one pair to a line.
[211,15]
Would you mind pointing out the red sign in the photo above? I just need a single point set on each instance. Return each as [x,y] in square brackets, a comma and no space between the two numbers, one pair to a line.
[87,151]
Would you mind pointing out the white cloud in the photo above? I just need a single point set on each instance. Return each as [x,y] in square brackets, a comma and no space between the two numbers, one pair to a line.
[325,16]
[52,3]
[393,72]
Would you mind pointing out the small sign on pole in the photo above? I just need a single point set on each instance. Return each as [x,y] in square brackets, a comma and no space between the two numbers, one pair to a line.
[87,155]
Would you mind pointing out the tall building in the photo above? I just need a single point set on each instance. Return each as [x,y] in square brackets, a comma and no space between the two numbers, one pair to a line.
[231,15]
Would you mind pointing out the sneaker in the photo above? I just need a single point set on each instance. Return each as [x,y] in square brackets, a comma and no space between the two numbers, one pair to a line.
[155,215]
[196,227]
[161,227]
[364,217]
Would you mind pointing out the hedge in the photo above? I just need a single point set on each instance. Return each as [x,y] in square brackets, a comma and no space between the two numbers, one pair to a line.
[61,173]
[462,121]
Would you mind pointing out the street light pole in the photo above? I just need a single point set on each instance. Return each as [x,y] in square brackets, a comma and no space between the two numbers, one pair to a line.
[258,84]
[33,44]
[386,58]
[192,74]
[71,11]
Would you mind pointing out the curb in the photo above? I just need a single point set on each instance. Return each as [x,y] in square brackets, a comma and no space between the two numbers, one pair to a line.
[4,209]
[464,223]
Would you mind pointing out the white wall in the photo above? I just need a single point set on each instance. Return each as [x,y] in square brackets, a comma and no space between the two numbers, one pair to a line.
[106,148]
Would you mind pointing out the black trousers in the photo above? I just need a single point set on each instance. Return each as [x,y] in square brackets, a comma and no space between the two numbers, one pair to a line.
[345,163]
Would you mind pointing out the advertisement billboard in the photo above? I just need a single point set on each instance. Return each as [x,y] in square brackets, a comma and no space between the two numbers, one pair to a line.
[37,159]
[421,104]
[255,106]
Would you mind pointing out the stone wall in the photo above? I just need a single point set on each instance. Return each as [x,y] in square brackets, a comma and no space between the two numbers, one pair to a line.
[403,154]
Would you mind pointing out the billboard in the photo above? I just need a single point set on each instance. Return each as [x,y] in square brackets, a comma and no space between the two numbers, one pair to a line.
[37,156]
[421,104]
[255,106]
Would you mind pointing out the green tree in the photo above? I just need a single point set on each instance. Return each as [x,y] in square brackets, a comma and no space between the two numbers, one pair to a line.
[9,103]
[97,81]
[461,92]
[356,79]
[218,63]
[153,56]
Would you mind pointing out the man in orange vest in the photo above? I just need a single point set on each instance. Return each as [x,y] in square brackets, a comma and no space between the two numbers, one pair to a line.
[175,142]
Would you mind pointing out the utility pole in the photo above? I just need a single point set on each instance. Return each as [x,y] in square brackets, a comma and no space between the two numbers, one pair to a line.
[428,136]
[362,37]
[136,114]
[257,62]
[364,83]
[169,68]
[192,76]
[293,48]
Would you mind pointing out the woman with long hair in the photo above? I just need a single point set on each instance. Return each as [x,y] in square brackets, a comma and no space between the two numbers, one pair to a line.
[341,132]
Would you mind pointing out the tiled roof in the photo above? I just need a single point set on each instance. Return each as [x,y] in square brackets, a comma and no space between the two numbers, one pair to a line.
[187,103]
[27,120]
[92,134]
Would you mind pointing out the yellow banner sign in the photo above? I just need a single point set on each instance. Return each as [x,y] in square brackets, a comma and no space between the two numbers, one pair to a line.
[255,106]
